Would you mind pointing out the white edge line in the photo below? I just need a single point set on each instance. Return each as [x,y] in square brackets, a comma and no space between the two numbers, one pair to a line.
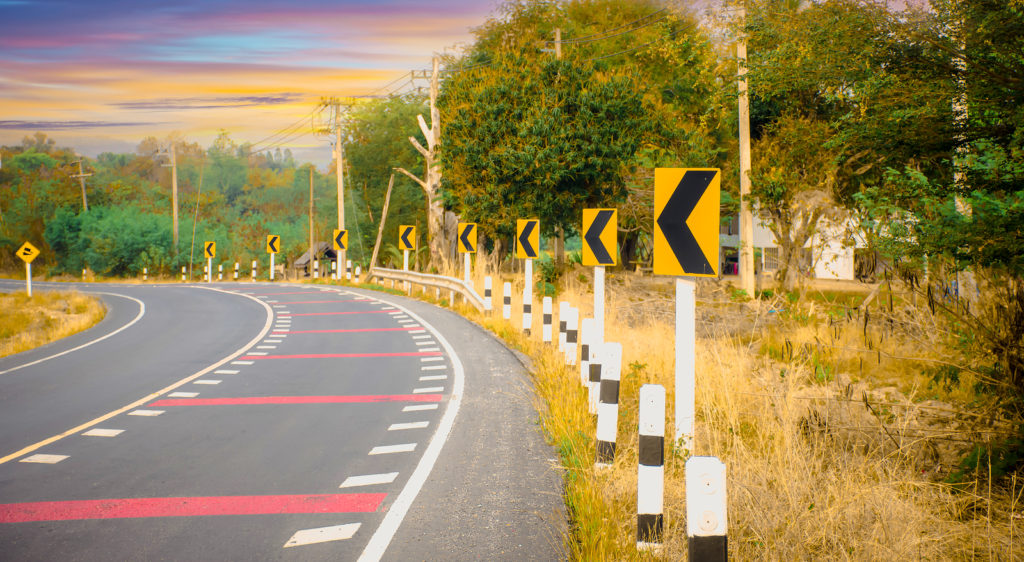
[381,539]
[142,312]
[157,394]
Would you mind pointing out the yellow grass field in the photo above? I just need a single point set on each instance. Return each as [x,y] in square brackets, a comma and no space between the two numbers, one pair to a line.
[26,323]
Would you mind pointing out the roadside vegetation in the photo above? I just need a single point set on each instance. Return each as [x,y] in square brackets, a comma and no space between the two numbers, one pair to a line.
[29,322]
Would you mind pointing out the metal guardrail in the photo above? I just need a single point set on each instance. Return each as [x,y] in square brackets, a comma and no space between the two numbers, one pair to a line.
[440,281]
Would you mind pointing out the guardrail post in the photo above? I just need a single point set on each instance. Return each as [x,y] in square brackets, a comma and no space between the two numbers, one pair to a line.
[487,293]
[545,331]
[650,476]
[706,510]
[608,408]
[571,335]
[506,308]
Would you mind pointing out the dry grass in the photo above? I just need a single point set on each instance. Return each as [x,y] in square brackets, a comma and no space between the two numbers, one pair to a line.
[26,323]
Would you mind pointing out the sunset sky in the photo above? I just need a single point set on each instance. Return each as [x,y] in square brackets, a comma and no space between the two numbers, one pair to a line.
[102,75]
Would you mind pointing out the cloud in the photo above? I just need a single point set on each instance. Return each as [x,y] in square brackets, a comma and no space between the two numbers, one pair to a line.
[217,102]
[66,125]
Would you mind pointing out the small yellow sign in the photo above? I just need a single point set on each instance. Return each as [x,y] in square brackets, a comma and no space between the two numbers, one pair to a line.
[528,239]
[406,237]
[27,252]
[273,243]
[686,221]
[340,240]
[600,237]
[210,249]
[467,237]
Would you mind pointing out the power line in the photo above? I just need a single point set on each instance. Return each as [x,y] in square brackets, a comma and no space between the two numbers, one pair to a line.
[290,129]
[604,34]
[638,47]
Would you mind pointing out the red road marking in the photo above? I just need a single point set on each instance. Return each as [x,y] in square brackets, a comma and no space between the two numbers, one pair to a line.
[341,355]
[409,329]
[283,314]
[188,507]
[324,302]
[291,293]
[260,400]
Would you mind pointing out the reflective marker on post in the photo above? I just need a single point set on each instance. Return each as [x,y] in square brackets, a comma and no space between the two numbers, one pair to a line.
[334,269]
[316,269]
[610,354]
[506,308]
[487,292]
[706,510]
[650,481]
[545,331]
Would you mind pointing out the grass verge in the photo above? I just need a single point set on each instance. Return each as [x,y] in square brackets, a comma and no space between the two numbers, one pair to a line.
[27,323]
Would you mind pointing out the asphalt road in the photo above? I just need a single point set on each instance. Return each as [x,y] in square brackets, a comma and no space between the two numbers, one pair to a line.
[265,422]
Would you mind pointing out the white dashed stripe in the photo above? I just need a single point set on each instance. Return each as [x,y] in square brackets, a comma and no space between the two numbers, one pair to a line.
[434,378]
[183,395]
[388,449]
[322,534]
[149,413]
[408,425]
[369,480]
[241,362]
[433,367]
[226,372]
[428,390]
[45,459]
[206,381]
[419,407]
[97,432]
[430,359]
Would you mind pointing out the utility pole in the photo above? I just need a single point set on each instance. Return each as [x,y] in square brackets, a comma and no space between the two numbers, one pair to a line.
[559,241]
[312,254]
[174,191]
[339,154]
[81,175]
[746,217]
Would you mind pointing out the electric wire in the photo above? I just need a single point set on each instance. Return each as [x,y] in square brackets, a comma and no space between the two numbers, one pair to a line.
[602,38]
[600,35]
[289,129]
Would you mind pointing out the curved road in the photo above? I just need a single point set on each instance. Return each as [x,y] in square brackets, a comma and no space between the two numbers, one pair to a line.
[264,422]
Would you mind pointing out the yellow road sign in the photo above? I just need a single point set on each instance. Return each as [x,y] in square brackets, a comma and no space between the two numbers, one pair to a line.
[467,237]
[27,252]
[600,231]
[686,219]
[340,240]
[527,239]
[210,249]
[273,243]
[406,237]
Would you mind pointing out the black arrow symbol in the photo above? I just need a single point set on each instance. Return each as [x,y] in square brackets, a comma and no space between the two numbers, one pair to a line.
[524,239]
[209,249]
[26,252]
[673,217]
[465,237]
[593,237]
[340,240]
[405,237]
[273,243]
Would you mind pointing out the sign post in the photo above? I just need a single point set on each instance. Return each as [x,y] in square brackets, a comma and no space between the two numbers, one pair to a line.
[210,249]
[467,245]
[600,248]
[273,247]
[27,252]
[527,245]
[686,211]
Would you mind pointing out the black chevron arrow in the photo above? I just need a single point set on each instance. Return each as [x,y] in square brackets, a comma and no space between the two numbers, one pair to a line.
[209,249]
[465,237]
[673,217]
[26,252]
[340,240]
[593,237]
[524,239]
[273,243]
[405,237]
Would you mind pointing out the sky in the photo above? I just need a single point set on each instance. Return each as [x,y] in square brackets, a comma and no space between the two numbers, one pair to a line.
[102,75]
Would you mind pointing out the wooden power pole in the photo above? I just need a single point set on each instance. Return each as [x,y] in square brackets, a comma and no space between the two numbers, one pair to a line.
[81,175]
[174,192]
[339,154]
[312,253]
[746,216]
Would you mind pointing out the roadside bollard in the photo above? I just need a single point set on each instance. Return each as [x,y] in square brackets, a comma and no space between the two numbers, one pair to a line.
[608,408]
[145,274]
[253,271]
[183,273]
[563,310]
[706,510]
[571,335]
[487,293]
[650,480]
[236,271]
[506,308]
[220,272]
[545,331]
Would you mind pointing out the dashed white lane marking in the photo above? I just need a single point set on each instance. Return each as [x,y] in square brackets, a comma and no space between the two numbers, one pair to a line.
[428,390]
[278,306]
[206,381]
[266,347]
[145,413]
[271,341]
[408,321]
[183,395]
[46,459]
[388,449]
[430,359]
[269,300]
[431,349]
[256,353]
[433,367]
[387,308]
[417,332]
[322,534]
[369,480]
[434,378]
[226,372]
[408,425]
[425,336]
[97,432]
[431,342]
[419,407]
[241,362]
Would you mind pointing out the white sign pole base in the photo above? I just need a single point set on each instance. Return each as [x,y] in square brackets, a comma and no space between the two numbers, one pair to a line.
[686,335]
[28,278]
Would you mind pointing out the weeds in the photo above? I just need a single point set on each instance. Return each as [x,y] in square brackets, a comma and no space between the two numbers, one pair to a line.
[29,322]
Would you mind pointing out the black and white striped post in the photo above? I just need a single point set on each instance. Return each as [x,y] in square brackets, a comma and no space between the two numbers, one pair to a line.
[334,269]
[253,271]
[563,310]
[220,272]
[359,273]
[182,273]
[545,330]
[707,521]
[586,330]
[572,330]
[650,476]
[608,409]
[236,271]
[145,274]
[487,293]
[594,375]
[348,270]
[506,307]
[527,308]
[316,269]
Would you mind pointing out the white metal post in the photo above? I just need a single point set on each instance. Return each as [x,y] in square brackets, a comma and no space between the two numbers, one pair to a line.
[487,293]
[272,266]
[608,407]
[707,518]
[586,337]
[572,330]
[599,299]
[209,270]
[467,263]
[28,278]
[650,481]
[528,296]
[686,334]
[348,270]
[145,274]
[563,312]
